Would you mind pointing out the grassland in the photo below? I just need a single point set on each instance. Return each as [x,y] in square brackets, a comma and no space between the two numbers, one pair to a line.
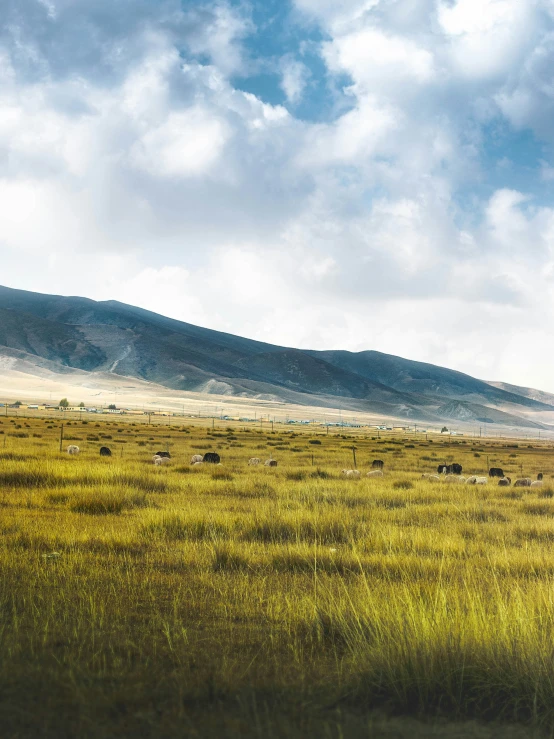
[278,602]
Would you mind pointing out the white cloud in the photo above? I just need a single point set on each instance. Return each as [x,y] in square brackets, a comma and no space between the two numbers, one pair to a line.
[294,78]
[187,144]
[377,60]
[220,38]
[357,135]
[336,15]
[487,36]
[477,16]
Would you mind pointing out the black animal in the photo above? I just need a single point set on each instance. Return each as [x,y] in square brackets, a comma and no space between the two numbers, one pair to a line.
[377,464]
[540,476]
[163,454]
[449,469]
[105,452]
[212,458]
[496,472]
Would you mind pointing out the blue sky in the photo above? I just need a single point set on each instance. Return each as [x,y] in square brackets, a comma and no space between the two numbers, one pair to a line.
[365,174]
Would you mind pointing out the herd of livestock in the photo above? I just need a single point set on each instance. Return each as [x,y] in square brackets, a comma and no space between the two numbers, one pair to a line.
[451,473]
[163,458]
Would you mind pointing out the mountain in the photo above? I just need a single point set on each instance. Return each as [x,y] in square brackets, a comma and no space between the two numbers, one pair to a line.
[111,337]
[526,392]
[407,375]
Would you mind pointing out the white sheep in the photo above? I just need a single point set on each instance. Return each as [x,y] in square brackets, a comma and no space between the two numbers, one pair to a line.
[353,473]
[72,449]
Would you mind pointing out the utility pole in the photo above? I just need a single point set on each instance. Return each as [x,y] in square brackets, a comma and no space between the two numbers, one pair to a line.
[61,438]
[354,455]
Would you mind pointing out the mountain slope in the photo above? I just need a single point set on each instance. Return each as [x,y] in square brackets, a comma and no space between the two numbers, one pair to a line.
[525,392]
[49,340]
[111,337]
[407,375]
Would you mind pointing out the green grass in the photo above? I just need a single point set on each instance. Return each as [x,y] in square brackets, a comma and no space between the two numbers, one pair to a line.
[270,602]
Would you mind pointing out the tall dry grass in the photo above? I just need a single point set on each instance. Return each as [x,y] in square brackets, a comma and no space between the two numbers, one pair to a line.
[143,600]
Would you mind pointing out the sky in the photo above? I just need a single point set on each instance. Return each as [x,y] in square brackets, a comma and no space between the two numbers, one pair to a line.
[369,174]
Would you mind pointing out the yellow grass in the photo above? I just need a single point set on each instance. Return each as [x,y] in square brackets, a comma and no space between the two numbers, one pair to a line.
[240,601]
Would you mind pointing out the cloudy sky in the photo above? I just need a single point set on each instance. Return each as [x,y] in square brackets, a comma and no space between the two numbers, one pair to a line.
[357,174]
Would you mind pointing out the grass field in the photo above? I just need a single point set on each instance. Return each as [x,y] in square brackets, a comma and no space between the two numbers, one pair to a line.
[235,601]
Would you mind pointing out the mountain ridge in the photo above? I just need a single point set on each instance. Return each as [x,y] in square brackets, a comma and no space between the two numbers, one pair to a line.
[113,337]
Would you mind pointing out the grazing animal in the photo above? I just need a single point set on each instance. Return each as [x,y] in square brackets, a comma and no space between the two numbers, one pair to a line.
[353,473]
[455,479]
[254,462]
[524,482]
[375,473]
[425,476]
[481,481]
[377,464]
[540,476]
[537,484]
[195,464]
[496,472]
[196,458]
[471,480]
[159,461]
[270,463]
[72,449]
[449,469]
[105,451]
[505,482]
[163,454]
[434,478]
[211,458]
